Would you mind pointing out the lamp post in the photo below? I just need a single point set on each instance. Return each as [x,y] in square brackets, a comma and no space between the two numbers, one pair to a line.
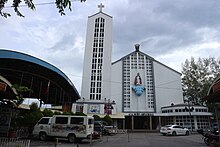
[190,109]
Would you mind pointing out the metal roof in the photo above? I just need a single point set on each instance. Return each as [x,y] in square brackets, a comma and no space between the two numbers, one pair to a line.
[46,81]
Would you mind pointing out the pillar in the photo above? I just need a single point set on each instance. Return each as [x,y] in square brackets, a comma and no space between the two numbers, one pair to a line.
[150,122]
[159,119]
[195,122]
[123,125]
[132,122]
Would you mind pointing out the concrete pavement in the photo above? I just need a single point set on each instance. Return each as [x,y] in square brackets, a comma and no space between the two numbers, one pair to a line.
[132,140]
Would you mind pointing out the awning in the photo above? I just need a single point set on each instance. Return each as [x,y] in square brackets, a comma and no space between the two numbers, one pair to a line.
[115,116]
[24,106]
[184,114]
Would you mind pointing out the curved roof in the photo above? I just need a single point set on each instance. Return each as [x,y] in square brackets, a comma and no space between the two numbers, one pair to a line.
[214,95]
[46,81]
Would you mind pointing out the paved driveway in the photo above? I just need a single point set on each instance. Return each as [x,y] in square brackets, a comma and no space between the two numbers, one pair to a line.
[132,140]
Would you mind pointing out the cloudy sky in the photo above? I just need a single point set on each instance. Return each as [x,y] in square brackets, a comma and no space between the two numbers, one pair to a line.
[170,31]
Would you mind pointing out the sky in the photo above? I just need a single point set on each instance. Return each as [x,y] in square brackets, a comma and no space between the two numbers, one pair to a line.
[170,31]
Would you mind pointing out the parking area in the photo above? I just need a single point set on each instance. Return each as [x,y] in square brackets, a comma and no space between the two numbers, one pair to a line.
[129,140]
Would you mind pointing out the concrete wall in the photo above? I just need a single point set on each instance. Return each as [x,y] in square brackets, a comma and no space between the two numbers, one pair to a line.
[168,87]
[107,52]
[116,85]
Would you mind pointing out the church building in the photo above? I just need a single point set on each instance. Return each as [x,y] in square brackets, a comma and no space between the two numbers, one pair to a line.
[135,90]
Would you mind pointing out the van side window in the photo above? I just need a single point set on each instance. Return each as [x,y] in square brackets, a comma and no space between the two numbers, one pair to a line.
[75,120]
[61,120]
[90,121]
[44,121]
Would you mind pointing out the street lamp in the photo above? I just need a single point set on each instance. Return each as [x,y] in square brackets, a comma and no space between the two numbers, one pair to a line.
[190,109]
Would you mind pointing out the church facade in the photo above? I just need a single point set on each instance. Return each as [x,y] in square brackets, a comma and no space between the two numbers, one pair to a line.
[133,90]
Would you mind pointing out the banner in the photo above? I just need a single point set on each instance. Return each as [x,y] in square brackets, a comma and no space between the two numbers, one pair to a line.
[94,108]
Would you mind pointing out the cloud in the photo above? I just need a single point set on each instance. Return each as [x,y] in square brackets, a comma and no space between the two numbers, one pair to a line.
[168,31]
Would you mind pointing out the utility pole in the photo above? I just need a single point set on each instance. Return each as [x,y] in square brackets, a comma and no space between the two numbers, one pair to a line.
[190,109]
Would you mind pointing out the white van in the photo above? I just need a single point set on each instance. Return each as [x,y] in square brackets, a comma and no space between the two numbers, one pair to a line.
[75,128]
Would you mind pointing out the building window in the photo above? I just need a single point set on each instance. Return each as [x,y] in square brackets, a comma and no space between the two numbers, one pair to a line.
[61,120]
[76,120]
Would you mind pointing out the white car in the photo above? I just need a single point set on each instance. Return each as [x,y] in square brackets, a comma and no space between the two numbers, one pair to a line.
[174,130]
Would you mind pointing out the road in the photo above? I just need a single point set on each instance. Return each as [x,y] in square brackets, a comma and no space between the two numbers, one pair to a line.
[131,140]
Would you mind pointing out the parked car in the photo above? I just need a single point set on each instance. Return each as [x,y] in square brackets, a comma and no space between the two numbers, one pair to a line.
[174,130]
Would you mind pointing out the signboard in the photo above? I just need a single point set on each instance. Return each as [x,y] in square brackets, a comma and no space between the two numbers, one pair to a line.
[108,108]
[94,108]
[3,86]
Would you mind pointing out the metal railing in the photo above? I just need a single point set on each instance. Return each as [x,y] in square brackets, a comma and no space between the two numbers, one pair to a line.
[14,142]
[22,133]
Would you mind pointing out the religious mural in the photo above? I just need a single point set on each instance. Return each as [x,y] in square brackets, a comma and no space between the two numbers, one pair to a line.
[94,108]
[138,88]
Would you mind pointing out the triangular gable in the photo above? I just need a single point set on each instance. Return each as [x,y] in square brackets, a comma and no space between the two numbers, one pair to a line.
[149,57]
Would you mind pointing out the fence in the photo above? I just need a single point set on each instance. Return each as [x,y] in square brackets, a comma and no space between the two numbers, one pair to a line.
[22,133]
[14,142]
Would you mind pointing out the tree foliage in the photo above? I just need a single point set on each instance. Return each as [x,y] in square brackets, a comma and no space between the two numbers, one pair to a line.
[197,76]
[107,119]
[96,118]
[47,113]
[20,91]
[30,117]
[60,4]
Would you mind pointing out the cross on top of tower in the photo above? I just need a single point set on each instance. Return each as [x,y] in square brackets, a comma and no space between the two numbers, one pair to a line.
[100,6]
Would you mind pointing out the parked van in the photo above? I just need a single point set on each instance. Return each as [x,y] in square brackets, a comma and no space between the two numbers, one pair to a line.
[74,128]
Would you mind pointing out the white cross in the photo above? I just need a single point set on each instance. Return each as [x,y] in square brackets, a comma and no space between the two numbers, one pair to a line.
[100,7]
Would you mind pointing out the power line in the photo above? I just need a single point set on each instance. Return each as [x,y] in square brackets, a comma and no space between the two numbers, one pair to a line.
[118,82]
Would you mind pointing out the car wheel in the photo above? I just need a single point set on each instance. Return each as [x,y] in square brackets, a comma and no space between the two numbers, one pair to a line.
[164,134]
[174,133]
[187,133]
[71,138]
[42,136]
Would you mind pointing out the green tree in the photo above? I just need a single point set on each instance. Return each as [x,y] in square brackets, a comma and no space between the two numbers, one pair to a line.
[47,112]
[80,114]
[68,113]
[34,114]
[197,76]
[29,118]
[20,91]
[57,113]
[96,117]
[107,119]
[60,4]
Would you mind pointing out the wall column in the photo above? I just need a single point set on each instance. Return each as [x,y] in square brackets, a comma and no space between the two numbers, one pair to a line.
[132,122]
[123,126]
[150,122]
[159,119]
[195,122]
